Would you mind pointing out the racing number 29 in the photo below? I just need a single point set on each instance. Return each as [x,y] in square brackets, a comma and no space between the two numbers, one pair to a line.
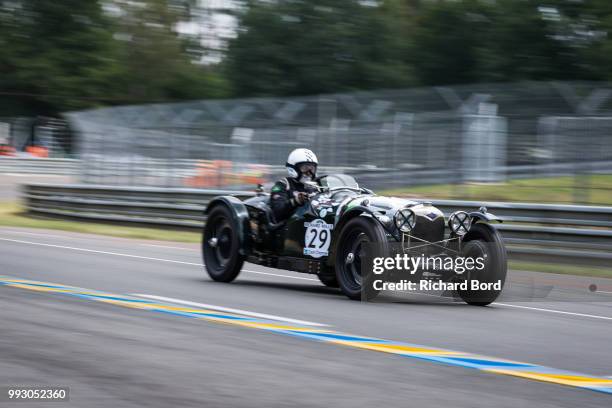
[319,238]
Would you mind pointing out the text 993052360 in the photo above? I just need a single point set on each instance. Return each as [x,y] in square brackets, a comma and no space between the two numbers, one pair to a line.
[42,393]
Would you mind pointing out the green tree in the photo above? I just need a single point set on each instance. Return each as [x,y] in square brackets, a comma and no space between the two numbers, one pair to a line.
[445,38]
[158,64]
[75,54]
[464,41]
[56,55]
[530,39]
[595,23]
[315,46]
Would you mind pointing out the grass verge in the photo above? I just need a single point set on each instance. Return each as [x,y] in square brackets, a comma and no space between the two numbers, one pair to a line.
[12,215]
[593,189]
[561,269]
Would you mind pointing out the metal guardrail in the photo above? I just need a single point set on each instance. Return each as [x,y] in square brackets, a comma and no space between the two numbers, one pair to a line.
[27,165]
[535,232]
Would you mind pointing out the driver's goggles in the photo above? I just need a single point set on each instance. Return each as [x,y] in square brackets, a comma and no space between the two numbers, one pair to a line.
[307,167]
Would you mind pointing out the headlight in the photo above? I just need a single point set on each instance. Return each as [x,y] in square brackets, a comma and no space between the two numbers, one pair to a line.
[405,220]
[460,222]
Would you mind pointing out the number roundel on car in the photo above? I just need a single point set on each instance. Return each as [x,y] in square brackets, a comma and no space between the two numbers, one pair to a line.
[317,238]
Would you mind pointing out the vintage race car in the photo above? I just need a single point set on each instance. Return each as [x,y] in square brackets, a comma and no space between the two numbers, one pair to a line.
[329,235]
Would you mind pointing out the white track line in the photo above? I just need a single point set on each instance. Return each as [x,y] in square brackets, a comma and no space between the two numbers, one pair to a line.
[30,175]
[34,233]
[167,246]
[229,310]
[77,237]
[267,273]
[278,274]
[555,311]
[99,252]
[143,257]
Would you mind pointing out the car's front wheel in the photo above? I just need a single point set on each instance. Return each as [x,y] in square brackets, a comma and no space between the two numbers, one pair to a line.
[484,241]
[221,245]
[359,235]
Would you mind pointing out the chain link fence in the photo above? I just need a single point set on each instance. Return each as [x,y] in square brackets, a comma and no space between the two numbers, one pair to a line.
[388,139]
[32,137]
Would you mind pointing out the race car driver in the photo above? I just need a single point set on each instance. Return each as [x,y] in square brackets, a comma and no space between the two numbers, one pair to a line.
[291,192]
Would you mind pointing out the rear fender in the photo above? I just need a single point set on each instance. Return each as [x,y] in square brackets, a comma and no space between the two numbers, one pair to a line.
[240,215]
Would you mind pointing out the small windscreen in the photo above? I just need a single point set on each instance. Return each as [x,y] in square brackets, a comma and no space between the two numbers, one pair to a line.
[338,181]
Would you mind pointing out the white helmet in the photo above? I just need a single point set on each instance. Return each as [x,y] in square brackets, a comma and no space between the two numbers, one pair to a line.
[297,159]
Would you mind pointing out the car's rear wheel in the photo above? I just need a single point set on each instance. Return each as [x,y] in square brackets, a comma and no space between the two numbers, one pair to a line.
[221,245]
[359,235]
[484,241]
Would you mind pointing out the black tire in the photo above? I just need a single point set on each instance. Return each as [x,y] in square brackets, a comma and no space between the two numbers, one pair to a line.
[328,279]
[483,239]
[222,258]
[358,231]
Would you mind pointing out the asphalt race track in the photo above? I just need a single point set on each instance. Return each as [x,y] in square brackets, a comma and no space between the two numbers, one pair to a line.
[117,356]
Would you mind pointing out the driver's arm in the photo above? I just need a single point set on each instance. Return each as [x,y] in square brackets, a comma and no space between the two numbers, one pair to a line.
[282,201]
